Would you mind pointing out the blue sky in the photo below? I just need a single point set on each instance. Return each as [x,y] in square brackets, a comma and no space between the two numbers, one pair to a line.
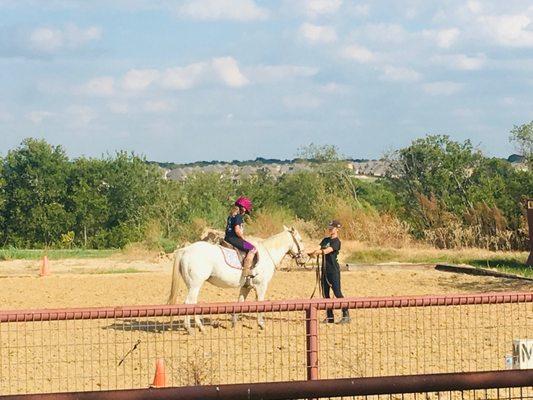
[237,79]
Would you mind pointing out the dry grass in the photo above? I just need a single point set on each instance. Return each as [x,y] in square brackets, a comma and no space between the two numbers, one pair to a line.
[508,261]
[371,227]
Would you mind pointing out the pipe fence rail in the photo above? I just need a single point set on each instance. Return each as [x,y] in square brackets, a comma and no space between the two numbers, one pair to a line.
[469,385]
[98,349]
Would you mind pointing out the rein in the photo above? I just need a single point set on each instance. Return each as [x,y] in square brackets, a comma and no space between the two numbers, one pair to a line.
[299,254]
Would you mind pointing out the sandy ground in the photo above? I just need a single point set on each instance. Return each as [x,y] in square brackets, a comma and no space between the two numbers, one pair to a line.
[87,355]
[102,282]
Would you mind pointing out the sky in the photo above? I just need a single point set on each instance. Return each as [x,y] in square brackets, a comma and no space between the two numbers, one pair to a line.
[197,80]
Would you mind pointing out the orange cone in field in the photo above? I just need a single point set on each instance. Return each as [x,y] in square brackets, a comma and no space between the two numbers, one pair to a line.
[45,267]
[160,378]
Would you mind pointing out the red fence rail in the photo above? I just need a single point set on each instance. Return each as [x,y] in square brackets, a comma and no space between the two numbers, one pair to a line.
[494,385]
[88,349]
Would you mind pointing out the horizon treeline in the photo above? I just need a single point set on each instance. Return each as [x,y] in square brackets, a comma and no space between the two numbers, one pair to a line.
[438,191]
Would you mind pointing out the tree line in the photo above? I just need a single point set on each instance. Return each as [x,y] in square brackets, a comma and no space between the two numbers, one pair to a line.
[439,191]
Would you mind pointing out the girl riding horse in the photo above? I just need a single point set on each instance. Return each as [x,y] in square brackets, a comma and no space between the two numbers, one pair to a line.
[235,236]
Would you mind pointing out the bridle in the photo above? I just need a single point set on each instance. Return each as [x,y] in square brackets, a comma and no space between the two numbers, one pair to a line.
[298,256]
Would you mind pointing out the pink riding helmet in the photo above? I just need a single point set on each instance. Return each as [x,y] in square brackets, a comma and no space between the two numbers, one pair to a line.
[245,203]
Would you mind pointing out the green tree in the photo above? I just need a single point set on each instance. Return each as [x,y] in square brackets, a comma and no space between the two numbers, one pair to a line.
[319,153]
[522,136]
[434,166]
[304,193]
[131,187]
[87,200]
[34,190]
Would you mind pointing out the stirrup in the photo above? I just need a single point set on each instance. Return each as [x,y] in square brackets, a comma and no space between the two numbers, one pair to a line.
[248,281]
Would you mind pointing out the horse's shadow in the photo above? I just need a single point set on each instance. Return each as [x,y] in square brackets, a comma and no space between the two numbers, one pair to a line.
[178,324]
[151,326]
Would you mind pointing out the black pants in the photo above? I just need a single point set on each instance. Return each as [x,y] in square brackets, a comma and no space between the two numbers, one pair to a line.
[331,278]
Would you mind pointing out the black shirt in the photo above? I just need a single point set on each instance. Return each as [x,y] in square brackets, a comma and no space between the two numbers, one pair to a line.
[232,222]
[331,258]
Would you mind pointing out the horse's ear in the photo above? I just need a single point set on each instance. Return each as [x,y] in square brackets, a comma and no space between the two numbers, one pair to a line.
[292,229]
[285,228]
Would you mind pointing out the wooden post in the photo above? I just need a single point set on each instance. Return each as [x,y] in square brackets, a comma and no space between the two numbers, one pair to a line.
[530,223]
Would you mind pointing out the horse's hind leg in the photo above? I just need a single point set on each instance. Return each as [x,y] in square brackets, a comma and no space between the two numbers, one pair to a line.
[192,298]
[260,292]
[243,294]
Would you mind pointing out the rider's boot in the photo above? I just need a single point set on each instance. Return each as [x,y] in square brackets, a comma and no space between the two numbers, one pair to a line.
[247,270]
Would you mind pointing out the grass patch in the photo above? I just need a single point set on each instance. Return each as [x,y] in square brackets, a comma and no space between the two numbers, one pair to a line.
[53,254]
[510,262]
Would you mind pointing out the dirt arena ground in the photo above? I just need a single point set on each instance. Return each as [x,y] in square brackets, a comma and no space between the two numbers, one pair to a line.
[122,281]
[120,353]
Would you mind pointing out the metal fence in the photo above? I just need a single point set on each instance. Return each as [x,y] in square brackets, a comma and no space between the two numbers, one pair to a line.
[458,386]
[43,351]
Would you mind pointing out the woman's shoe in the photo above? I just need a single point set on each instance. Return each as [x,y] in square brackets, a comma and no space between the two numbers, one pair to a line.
[345,320]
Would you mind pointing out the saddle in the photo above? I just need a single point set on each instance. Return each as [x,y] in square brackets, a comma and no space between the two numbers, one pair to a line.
[233,256]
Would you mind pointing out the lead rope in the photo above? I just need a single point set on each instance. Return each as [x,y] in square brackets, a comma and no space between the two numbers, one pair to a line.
[324,274]
[317,276]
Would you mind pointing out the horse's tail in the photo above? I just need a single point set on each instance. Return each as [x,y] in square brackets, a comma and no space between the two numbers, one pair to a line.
[176,270]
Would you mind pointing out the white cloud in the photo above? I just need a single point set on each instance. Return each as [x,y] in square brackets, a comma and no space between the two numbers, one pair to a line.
[358,53]
[182,78]
[76,37]
[509,30]
[461,61]
[228,71]
[361,10]
[382,33]
[237,10]
[101,86]
[139,79]
[314,8]
[118,108]
[442,88]
[5,116]
[157,106]
[399,74]
[447,37]
[46,40]
[301,101]
[276,73]
[317,33]
[508,101]
[474,7]
[37,117]
[51,40]
[333,88]
[223,70]
[80,116]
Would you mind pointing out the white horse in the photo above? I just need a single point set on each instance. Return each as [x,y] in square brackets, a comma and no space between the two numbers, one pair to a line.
[203,261]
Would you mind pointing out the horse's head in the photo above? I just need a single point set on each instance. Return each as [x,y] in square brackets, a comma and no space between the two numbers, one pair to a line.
[296,249]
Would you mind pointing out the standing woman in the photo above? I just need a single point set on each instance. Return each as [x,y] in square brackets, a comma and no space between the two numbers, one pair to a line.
[235,236]
[331,273]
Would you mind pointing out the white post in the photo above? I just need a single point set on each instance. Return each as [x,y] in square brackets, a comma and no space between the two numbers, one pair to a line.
[523,353]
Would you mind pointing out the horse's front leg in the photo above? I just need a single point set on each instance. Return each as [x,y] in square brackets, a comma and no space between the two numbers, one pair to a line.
[260,292]
[243,294]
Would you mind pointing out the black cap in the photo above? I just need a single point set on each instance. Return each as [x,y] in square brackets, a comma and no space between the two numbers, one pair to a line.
[334,224]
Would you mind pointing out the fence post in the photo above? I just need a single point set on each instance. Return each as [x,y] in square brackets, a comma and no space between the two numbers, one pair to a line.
[311,334]
[530,223]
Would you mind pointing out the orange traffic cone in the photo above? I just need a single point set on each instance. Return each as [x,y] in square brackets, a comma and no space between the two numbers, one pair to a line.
[160,378]
[45,270]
